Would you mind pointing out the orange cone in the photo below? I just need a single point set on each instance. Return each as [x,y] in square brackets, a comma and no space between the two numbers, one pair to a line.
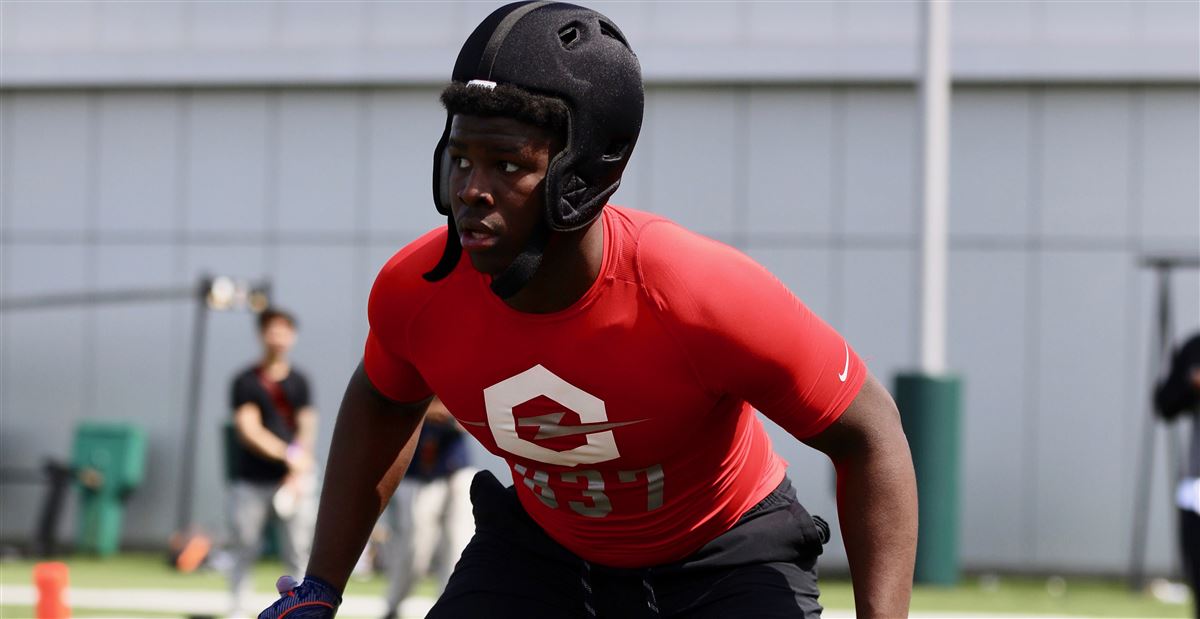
[51,582]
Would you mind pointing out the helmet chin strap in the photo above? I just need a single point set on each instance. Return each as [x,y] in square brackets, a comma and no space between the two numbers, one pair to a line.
[514,278]
[525,265]
[450,254]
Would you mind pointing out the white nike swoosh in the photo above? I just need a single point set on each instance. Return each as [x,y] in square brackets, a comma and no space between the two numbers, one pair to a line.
[846,369]
[548,427]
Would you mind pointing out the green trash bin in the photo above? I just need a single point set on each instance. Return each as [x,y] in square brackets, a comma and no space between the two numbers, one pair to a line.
[930,409]
[110,461]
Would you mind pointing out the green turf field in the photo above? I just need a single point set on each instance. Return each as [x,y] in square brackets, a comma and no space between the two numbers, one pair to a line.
[1003,595]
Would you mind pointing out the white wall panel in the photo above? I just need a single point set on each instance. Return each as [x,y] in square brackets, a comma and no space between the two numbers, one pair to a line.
[1170,167]
[403,127]
[1081,506]
[319,182]
[790,165]
[1085,166]
[50,188]
[989,162]
[138,161]
[694,160]
[879,165]
[988,345]
[229,164]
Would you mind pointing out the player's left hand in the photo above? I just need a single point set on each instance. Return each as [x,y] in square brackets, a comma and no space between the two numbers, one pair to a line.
[312,599]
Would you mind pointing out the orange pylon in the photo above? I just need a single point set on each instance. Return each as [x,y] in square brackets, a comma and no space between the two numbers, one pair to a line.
[51,581]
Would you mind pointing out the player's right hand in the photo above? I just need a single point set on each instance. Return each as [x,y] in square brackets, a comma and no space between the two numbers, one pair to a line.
[312,599]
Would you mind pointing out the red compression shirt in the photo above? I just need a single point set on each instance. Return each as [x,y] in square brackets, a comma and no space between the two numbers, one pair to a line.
[626,418]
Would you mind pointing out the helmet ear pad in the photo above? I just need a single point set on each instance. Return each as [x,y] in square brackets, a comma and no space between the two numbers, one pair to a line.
[572,179]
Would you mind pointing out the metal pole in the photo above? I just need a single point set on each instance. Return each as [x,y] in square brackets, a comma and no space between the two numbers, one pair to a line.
[192,421]
[69,299]
[1158,361]
[935,125]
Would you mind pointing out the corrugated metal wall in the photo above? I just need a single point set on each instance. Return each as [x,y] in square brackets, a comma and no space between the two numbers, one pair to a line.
[114,176]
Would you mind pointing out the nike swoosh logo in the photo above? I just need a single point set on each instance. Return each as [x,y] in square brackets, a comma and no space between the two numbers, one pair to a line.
[846,369]
[548,427]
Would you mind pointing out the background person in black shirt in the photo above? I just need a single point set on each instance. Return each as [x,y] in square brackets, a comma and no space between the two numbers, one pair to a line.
[273,467]
[1179,394]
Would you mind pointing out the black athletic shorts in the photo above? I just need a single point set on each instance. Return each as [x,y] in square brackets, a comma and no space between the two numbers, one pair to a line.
[1189,538]
[763,567]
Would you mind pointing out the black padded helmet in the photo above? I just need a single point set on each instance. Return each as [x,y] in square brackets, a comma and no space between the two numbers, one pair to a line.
[580,57]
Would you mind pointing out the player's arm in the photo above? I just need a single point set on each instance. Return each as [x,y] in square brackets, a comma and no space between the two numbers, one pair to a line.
[373,441]
[247,423]
[877,500]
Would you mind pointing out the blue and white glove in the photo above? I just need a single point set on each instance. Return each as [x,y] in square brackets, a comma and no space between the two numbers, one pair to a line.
[312,599]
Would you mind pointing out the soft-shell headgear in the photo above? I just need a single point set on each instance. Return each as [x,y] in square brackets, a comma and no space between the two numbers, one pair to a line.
[579,56]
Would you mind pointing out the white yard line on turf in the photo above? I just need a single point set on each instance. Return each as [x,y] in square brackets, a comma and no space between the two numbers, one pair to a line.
[216,603]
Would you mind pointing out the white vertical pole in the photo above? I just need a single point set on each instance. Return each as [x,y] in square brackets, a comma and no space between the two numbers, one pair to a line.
[935,131]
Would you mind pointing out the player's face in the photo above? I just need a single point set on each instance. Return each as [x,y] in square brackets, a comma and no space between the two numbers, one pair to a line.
[497,167]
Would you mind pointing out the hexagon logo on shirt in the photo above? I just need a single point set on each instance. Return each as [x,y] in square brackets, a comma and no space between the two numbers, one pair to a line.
[570,426]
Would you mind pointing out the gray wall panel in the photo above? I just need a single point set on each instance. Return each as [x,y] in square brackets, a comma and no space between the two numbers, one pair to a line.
[879,165]
[1061,343]
[694,170]
[318,284]
[140,369]
[230,166]
[138,161]
[320,23]
[709,22]
[993,21]
[808,273]
[786,22]
[1089,19]
[989,162]
[1080,493]
[1171,21]
[232,25]
[878,310]
[47,387]
[988,337]
[790,164]
[400,23]
[1170,167]
[403,128]
[138,26]
[48,25]
[1085,179]
[51,175]
[318,162]
[873,22]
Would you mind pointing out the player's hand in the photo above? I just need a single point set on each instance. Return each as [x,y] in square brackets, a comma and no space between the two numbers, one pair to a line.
[312,599]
